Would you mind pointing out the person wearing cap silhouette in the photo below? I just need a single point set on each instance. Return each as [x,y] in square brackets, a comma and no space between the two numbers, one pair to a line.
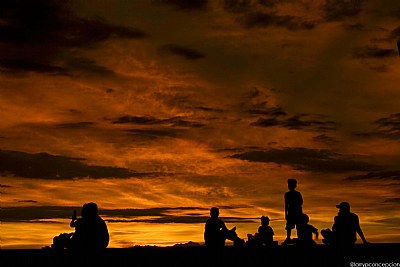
[346,226]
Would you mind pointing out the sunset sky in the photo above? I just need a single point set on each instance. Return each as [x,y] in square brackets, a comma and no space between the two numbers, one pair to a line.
[158,110]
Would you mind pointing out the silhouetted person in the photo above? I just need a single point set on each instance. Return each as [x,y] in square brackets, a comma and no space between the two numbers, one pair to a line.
[305,232]
[265,235]
[215,230]
[215,234]
[346,226]
[293,208]
[91,231]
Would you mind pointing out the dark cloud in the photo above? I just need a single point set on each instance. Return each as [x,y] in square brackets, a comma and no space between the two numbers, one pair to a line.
[374,52]
[185,4]
[388,127]
[52,22]
[27,201]
[395,34]
[4,186]
[275,112]
[151,215]
[382,175]
[263,19]
[149,120]
[43,35]
[393,200]
[297,123]
[46,166]
[11,65]
[78,65]
[237,6]
[356,26]
[269,3]
[307,159]
[75,125]
[323,138]
[208,109]
[341,9]
[185,219]
[181,51]
[393,222]
[150,134]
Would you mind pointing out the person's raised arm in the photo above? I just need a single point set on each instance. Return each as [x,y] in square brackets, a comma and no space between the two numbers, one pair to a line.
[73,219]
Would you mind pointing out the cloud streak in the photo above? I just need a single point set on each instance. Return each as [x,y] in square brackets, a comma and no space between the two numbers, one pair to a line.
[382,175]
[150,120]
[184,52]
[38,36]
[264,19]
[296,122]
[339,9]
[387,127]
[46,166]
[151,215]
[306,159]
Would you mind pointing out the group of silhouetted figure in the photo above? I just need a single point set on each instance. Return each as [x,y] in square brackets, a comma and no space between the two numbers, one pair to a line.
[91,231]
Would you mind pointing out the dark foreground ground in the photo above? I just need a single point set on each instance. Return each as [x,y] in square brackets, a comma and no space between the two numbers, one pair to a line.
[387,255]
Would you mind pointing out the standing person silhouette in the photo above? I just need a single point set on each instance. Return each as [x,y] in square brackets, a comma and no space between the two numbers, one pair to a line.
[293,209]
[346,226]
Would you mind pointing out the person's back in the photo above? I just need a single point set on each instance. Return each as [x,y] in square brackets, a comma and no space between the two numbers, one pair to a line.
[345,228]
[266,235]
[305,232]
[94,233]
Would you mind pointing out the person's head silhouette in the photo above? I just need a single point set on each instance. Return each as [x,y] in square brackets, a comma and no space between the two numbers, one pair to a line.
[292,183]
[305,218]
[265,220]
[91,209]
[344,207]
[214,212]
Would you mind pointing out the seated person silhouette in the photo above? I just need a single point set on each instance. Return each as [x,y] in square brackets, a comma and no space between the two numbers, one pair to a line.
[91,231]
[264,236]
[345,228]
[293,208]
[215,230]
[305,231]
